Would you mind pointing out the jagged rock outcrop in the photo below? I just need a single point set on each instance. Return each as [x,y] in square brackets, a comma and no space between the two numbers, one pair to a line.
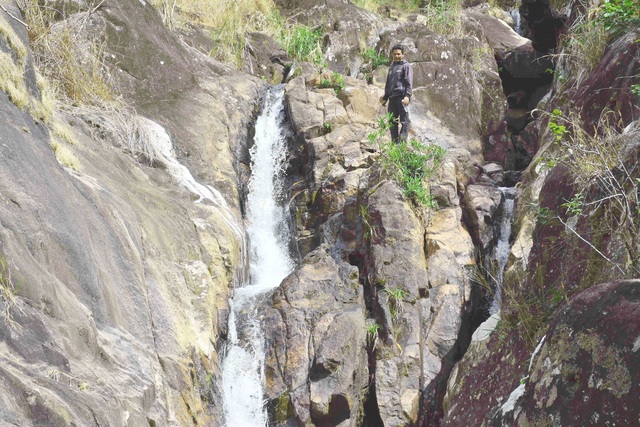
[525,74]
[316,361]
[586,371]
[562,251]
[456,86]
[347,28]
[422,306]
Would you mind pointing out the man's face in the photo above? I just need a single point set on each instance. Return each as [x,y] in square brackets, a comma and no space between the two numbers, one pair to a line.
[397,55]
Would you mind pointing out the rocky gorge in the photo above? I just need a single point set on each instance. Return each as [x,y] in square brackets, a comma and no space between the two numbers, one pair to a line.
[117,268]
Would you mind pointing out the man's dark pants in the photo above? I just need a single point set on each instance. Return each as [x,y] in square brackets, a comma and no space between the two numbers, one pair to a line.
[400,116]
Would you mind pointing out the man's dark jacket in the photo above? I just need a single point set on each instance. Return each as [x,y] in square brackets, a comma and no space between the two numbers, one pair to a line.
[399,81]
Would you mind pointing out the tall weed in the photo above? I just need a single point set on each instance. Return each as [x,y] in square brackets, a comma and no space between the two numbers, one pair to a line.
[62,57]
[302,43]
[444,17]
[585,44]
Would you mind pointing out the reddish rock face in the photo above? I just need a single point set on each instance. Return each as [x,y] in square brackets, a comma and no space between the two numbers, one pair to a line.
[588,370]
[608,87]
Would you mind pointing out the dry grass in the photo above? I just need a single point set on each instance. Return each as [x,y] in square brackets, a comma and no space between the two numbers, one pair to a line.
[44,108]
[228,21]
[12,81]
[13,41]
[8,291]
[64,155]
[74,64]
[63,132]
[12,71]
[123,127]
[585,44]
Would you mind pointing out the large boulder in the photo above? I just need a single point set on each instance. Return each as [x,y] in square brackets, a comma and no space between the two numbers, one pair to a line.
[500,35]
[604,89]
[420,306]
[316,359]
[481,203]
[587,369]
[348,29]
[264,57]
[449,77]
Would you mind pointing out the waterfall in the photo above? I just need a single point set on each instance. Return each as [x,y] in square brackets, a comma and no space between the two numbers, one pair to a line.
[269,264]
[501,251]
[517,22]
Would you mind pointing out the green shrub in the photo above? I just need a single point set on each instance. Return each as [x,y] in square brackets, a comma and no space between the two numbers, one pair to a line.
[374,59]
[336,82]
[303,43]
[619,16]
[409,163]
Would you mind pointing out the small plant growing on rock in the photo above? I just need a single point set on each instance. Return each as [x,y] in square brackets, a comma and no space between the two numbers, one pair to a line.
[557,129]
[369,230]
[327,127]
[575,206]
[374,59]
[372,328]
[336,82]
[395,297]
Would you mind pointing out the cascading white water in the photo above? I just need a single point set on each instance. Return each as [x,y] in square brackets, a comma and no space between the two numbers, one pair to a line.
[517,23]
[501,251]
[269,264]
[163,150]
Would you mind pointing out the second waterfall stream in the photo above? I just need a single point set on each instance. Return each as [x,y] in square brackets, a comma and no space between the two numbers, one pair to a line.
[269,264]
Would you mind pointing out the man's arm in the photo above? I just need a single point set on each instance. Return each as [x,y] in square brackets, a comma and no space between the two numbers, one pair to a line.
[408,84]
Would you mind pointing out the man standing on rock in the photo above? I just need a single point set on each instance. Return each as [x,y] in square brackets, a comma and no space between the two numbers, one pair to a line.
[398,91]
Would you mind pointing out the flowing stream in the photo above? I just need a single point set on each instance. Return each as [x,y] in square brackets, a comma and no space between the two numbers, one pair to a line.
[501,251]
[269,264]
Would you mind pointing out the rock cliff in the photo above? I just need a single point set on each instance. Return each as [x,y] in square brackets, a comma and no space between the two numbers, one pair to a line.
[116,268]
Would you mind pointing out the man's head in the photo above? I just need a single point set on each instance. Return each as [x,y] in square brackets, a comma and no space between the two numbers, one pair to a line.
[397,53]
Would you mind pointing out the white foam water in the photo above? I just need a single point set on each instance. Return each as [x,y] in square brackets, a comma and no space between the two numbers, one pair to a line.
[269,264]
[502,249]
[163,149]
